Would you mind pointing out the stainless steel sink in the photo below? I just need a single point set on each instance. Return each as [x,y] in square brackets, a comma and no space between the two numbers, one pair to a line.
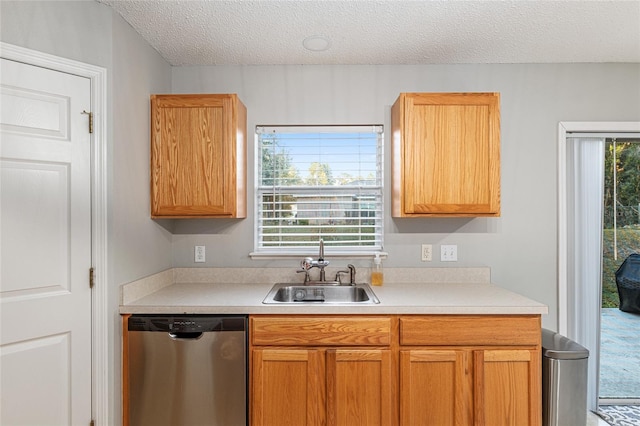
[328,294]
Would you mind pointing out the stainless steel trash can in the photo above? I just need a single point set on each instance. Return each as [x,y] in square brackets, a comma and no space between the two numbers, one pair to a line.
[564,381]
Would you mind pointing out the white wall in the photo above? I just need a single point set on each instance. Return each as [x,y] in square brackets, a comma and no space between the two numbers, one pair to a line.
[138,246]
[90,32]
[521,245]
[74,30]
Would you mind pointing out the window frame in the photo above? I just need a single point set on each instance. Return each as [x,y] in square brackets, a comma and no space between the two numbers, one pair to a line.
[352,252]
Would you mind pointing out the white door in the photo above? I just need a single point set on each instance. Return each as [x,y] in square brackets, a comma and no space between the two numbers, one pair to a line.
[45,250]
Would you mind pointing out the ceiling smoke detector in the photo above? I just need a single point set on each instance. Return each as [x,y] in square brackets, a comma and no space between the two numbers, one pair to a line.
[316,43]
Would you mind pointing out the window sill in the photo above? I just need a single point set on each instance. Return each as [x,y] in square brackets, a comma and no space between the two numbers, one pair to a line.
[328,255]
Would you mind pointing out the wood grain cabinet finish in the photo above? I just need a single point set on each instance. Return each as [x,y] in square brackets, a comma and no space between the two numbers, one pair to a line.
[321,330]
[477,370]
[437,370]
[360,385]
[198,156]
[446,155]
[322,371]
[435,387]
[288,387]
[507,386]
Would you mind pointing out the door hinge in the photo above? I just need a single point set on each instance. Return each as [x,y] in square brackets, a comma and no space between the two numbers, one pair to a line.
[90,114]
[91,278]
[92,423]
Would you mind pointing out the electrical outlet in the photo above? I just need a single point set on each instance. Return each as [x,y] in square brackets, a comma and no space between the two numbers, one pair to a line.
[448,253]
[199,254]
[426,252]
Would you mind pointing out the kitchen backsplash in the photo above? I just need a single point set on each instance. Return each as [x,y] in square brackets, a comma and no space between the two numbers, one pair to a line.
[245,276]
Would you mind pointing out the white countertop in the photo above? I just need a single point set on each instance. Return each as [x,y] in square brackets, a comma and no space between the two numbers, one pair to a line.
[168,297]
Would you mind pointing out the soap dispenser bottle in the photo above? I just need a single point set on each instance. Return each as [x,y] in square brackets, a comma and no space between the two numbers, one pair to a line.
[377,277]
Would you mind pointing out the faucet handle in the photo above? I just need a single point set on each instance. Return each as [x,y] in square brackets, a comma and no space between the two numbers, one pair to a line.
[306,275]
[339,275]
[351,270]
[352,273]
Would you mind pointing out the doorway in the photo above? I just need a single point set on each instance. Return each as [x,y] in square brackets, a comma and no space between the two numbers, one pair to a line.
[619,382]
[580,224]
[100,315]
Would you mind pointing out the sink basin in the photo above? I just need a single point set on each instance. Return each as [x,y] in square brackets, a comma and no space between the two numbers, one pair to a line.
[327,294]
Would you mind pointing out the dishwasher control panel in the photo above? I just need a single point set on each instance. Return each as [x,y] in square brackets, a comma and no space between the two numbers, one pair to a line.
[186,323]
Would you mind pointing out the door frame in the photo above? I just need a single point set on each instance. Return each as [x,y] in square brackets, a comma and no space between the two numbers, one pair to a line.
[99,301]
[567,293]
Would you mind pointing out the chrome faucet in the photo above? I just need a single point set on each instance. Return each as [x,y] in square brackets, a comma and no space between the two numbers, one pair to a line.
[308,263]
[321,262]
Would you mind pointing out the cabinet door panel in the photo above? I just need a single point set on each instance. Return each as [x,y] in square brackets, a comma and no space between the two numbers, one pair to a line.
[190,134]
[446,154]
[507,387]
[434,388]
[198,156]
[287,387]
[360,387]
[460,184]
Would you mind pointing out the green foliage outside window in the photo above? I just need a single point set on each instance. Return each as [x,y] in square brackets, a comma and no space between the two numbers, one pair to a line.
[626,187]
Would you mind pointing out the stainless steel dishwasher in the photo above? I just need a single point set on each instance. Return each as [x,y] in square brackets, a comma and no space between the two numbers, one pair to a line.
[187,370]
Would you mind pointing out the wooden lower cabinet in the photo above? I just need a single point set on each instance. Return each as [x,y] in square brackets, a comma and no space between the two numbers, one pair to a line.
[288,387]
[309,370]
[322,387]
[481,372]
[507,387]
[470,386]
[435,387]
[359,387]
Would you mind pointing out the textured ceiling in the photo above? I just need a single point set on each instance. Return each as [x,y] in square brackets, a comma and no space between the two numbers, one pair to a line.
[217,32]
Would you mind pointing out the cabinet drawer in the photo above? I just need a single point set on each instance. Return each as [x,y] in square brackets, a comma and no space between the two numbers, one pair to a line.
[320,330]
[470,330]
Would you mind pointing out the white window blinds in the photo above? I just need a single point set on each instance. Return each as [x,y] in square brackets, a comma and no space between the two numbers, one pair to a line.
[319,182]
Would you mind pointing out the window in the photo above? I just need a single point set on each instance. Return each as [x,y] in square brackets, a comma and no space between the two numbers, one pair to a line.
[319,182]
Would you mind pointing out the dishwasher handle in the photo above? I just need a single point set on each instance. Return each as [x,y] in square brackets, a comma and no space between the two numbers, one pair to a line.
[185,335]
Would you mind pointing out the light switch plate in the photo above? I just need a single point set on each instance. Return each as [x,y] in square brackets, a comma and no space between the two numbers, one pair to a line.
[448,253]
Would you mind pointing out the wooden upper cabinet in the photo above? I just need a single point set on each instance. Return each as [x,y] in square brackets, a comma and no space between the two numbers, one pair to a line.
[198,156]
[446,154]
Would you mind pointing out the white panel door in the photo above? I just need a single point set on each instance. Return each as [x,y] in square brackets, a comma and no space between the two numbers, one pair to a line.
[45,250]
